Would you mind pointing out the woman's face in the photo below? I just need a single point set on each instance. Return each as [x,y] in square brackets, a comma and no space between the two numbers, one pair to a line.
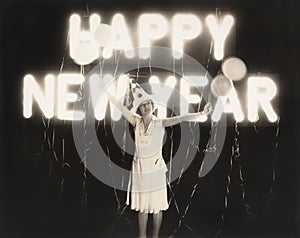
[146,108]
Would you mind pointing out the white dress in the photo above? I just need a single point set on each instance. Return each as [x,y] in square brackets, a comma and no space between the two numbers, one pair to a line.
[148,185]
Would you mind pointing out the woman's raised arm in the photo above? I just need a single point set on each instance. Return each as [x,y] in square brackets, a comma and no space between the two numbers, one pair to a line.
[129,116]
[187,117]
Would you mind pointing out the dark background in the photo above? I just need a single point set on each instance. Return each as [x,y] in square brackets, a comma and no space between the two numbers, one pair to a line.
[33,37]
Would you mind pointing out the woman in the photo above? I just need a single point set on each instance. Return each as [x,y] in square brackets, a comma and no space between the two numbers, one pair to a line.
[148,180]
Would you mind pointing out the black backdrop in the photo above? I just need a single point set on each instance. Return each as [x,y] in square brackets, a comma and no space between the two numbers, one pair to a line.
[33,36]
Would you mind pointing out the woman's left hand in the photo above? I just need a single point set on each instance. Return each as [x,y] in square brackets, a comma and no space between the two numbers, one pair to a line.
[207,109]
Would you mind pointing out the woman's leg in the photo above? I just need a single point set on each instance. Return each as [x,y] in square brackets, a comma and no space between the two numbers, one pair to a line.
[157,218]
[143,218]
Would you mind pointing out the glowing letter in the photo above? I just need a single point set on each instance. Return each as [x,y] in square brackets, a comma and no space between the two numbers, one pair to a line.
[228,104]
[162,92]
[185,27]
[63,97]
[151,27]
[100,100]
[31,89]
[186,98]
[261,90]
[121,38]
[83,48]
[219,32]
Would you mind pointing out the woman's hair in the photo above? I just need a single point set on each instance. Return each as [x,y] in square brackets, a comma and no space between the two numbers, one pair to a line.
[138,109]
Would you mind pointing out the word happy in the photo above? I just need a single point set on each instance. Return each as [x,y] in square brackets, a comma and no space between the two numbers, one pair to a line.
[86,45]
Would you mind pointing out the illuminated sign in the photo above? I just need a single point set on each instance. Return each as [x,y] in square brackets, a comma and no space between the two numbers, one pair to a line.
[100,41]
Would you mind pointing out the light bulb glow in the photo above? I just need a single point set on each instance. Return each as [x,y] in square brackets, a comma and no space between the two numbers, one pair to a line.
[186,96]
[219,31]
[31,90]
[95,21]
[228,104]
[83,49]
[261,90]
[65,97]
[185,27]
[162,92]
[151,27]
[121,37]
[117,88]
